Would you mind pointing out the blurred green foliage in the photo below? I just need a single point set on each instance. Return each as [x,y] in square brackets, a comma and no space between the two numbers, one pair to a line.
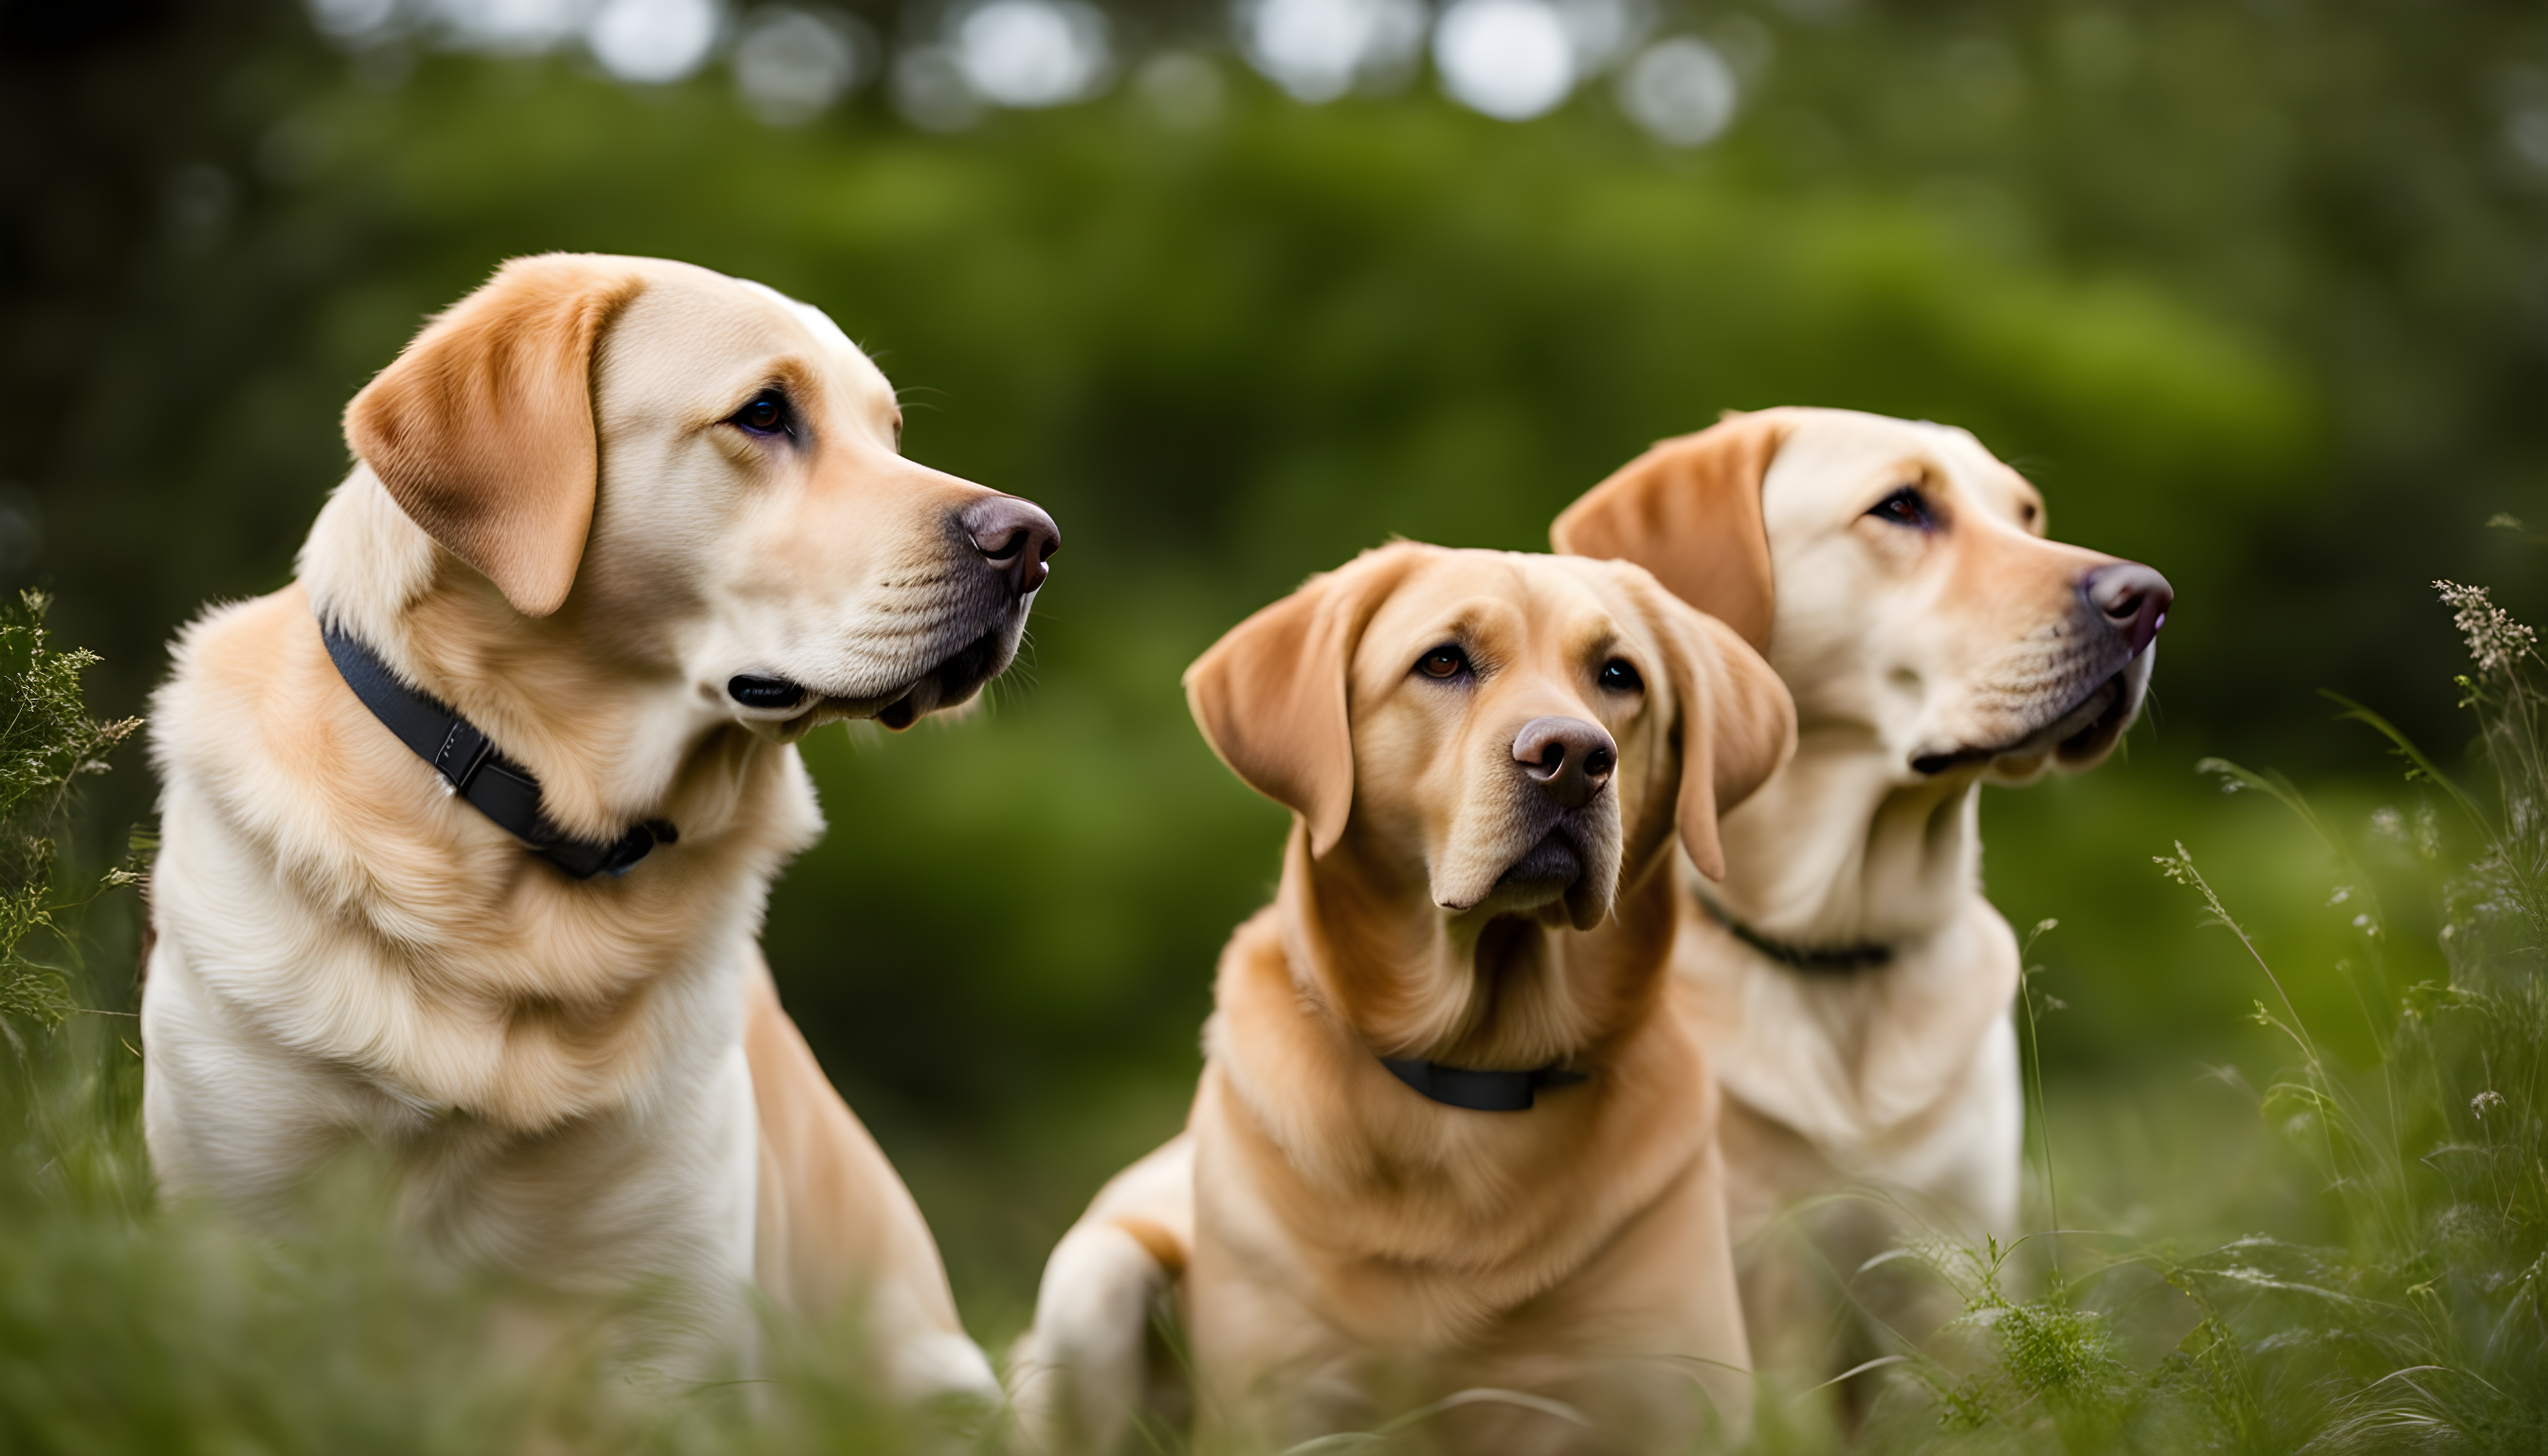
[2254,290]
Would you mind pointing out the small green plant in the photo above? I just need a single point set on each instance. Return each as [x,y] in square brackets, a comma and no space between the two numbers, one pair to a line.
[2047,1356]
[48,744]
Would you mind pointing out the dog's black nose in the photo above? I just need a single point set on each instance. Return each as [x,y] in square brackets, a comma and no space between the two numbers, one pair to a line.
[2132,597]
[1015,537]
[1570,757]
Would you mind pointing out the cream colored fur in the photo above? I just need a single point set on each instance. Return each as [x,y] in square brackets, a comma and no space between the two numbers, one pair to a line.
[1349,1249]
[586,1084]
[1967,640]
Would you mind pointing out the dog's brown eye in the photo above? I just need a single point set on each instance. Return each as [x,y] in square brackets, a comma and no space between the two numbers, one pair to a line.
[1443,663]
[1618,677]
[1904,508]
[765,415]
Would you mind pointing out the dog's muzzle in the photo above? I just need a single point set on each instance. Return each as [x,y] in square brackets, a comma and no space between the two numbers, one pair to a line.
[1016,539]
[2131,602]
[1569,762]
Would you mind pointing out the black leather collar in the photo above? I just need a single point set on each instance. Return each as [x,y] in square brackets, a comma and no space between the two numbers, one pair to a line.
[1479,1091]
[472,766]
[1812,959]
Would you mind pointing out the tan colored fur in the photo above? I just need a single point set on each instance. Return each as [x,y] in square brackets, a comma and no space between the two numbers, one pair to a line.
[483,432]
[1967,640]
[589,1084]
[1708,502]
[1356,1249]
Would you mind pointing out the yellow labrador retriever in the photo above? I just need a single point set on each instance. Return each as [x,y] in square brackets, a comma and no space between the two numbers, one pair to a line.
[1852,984]
[1441,1143]
[467,833]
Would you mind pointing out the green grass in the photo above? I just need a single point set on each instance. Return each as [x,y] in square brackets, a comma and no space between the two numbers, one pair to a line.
[2348,1255]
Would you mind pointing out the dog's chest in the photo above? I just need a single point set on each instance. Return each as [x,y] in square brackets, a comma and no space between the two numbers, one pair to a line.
[455,975]
[553,1009]
[1881,1074]
[337,912]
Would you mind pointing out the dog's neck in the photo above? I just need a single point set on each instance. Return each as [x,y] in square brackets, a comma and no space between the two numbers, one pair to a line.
[1371,1169]
[1504,993]
[1835,853]
[635,980]
[600,716]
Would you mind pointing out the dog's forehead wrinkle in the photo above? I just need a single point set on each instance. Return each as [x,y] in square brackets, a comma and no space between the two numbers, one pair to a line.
[1596,636]
[1578,610]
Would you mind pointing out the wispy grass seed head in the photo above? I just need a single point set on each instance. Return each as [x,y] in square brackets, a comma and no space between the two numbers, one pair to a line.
[2497,640]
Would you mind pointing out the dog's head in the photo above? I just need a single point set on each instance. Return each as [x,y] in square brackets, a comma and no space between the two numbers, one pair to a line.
[1475,738]
[630,445]
[1915,595]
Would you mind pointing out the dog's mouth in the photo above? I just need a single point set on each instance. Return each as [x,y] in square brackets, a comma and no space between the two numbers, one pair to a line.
[1525,854]
[952,682]
[1560,881]
[911,707]
[2122,693]
[1545,871]
[2079,737]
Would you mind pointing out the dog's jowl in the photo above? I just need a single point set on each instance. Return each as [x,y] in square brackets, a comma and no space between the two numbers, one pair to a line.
[467,831]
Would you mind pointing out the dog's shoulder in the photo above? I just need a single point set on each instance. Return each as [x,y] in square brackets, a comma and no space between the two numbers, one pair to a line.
[256,728]
[233,671]
[1252,983]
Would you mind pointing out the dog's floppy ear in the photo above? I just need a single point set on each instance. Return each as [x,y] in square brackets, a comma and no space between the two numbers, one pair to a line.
[1738,725]
[1688,510]
[1270,694]
[483,429]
